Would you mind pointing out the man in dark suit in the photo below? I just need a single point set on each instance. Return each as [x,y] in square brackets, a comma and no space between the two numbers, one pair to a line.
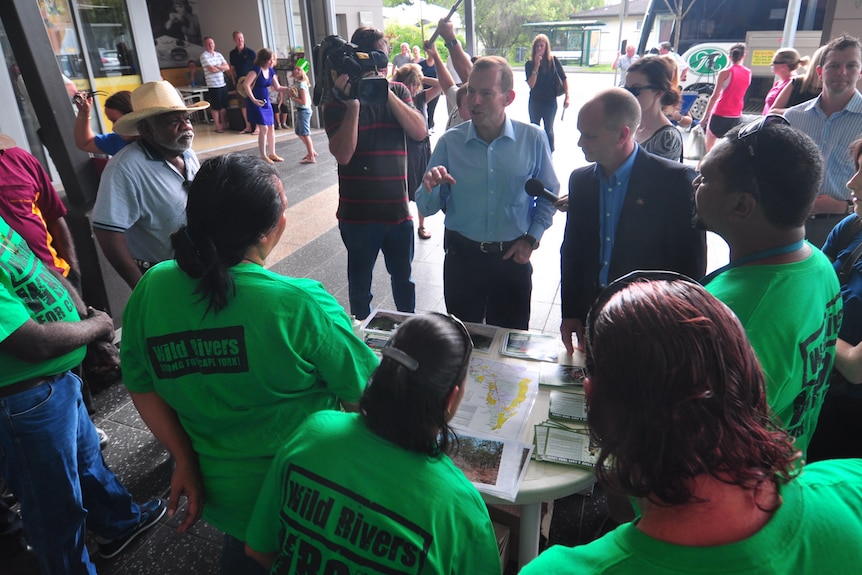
[629,210]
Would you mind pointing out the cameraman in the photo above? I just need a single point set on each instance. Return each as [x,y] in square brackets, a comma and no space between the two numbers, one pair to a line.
[368,141]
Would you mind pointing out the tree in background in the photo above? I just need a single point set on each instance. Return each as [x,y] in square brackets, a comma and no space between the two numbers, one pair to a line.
[397,33]
[499,25]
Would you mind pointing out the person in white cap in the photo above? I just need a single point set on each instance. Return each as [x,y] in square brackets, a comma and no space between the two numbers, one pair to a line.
[141,198]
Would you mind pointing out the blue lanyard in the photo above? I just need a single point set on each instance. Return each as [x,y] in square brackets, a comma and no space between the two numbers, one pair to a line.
[762,255]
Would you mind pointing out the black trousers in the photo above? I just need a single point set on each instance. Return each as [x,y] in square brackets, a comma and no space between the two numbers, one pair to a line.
[481,287]
[839,428]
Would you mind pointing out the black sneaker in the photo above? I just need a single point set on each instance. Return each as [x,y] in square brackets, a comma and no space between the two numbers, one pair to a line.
[151,512]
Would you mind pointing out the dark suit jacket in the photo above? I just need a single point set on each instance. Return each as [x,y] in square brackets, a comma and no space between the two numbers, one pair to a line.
[654,232]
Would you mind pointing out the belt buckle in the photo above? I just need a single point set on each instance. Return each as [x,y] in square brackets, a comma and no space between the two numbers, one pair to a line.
[482,246]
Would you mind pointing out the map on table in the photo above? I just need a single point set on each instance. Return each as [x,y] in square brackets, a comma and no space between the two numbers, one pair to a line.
[498,399]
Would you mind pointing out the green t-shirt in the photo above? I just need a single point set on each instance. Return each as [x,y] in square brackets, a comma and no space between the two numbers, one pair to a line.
[817,529]
[29,291]
[345,500]
[243,379]
[791,314]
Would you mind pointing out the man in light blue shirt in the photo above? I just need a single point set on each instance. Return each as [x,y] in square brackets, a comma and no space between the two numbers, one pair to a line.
[477,175]
[833,120]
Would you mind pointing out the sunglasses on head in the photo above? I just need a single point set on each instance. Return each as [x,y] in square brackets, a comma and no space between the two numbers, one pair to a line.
[622,283]
[468,343]
[636,90]
[748,134]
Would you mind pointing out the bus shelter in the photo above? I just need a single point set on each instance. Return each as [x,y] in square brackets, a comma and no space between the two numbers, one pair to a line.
[572,41]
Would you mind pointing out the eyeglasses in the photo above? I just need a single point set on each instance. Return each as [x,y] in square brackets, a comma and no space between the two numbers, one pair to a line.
[777,63]
[636,90]
[468,344]
[390,351]
[748,134]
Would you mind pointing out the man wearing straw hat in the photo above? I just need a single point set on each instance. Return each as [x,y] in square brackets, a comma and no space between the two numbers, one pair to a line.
[142,198]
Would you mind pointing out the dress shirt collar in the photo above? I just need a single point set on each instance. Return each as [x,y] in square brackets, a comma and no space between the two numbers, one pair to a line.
[508,131]
[854,105]
[623,172]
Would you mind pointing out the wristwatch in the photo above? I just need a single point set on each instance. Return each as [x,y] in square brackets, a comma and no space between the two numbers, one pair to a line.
[451,43]
[533,241]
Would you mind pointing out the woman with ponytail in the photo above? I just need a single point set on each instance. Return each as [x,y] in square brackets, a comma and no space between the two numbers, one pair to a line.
[381,495]
[223,358]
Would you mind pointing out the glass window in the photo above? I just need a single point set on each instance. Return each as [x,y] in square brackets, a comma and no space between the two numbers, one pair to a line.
[107,32]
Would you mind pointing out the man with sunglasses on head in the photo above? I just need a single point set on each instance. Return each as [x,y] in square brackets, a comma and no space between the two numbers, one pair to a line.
[833,120]
[628,210]
[756,190]
[142,198]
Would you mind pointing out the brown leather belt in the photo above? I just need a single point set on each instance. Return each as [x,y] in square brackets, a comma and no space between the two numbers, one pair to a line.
[20,386]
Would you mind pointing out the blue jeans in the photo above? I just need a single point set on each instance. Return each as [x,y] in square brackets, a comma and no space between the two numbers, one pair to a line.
[234,561]
[303,122]
[544,111]
[363,243]
[49,455]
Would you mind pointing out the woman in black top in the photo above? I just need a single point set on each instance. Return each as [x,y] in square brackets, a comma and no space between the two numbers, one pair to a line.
[542,70]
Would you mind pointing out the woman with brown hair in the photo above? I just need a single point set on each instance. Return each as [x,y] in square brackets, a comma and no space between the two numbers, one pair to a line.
[801,88]
[678,408]
[543,72]
[784,65]
[649,80]
[258,105]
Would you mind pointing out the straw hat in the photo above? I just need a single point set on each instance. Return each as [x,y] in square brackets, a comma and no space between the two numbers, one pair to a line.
[6,142]
[152,99]
[240,87]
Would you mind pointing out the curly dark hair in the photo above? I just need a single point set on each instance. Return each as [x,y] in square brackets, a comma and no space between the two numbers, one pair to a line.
[676,391]
[784,174]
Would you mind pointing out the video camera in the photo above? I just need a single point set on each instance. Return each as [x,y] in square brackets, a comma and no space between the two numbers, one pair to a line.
[334,57]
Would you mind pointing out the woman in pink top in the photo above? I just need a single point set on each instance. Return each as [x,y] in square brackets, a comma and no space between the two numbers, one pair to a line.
[784,65]
[724,110]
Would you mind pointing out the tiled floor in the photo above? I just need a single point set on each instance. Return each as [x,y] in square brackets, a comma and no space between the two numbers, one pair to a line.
[311,247]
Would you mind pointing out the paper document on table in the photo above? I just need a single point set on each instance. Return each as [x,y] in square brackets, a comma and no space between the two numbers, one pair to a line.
[536,346]
[498,399]
[555,442]
[483,336]
[568,405]
[561,375]
[494,465]
[379,327]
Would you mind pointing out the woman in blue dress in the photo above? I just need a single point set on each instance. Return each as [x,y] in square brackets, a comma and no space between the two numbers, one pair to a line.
[258,106]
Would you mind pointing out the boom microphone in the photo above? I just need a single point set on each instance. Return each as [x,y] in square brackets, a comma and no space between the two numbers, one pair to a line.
[537,189]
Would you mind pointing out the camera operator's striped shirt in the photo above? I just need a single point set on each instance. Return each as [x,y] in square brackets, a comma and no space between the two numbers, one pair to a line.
[372,188]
